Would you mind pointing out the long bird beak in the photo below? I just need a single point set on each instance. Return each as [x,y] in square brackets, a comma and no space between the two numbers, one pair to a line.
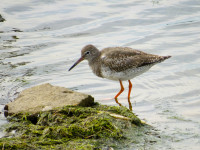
[76,63]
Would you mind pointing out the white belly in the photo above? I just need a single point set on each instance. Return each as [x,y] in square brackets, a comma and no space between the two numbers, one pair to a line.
[123,75]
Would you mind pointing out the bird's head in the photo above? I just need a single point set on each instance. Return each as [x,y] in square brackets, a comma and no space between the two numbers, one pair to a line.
[89,52]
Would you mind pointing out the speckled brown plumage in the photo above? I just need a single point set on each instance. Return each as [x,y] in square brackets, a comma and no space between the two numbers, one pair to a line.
[122,58]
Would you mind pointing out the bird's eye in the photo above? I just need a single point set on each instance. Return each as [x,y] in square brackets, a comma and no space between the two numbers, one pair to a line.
[88,52]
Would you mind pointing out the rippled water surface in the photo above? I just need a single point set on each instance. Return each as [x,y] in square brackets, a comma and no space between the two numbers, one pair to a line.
[40,40]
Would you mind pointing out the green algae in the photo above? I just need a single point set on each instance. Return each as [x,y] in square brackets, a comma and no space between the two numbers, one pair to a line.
[73,127]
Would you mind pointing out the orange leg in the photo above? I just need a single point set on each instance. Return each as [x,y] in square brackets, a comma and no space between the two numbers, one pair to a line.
[122,89]
[130,87]
[129,93]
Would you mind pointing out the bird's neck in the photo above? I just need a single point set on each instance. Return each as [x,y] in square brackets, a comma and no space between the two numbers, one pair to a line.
[95,65]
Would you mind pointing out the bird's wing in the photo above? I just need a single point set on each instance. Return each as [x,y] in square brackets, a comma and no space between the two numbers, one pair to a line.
[123,59]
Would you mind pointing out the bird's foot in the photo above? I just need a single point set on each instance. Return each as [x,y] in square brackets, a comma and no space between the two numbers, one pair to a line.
[130,105]
[118,102]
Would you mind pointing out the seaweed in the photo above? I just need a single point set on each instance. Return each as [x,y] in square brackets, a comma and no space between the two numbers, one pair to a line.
[71,127]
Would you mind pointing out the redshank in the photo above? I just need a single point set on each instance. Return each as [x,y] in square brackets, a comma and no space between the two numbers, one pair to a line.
[118,63]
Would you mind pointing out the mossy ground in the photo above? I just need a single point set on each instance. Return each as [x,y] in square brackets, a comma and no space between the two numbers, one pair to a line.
[73,127]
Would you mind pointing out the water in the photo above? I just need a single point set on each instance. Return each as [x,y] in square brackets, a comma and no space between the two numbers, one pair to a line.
[40,40]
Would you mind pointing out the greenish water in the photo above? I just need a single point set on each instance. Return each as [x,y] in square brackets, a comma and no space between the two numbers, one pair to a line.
[40,40]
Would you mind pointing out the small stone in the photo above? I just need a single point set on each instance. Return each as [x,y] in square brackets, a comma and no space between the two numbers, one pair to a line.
[45,97]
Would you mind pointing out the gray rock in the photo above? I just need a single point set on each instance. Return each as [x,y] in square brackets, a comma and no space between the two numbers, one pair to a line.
[46,97]
[1,19]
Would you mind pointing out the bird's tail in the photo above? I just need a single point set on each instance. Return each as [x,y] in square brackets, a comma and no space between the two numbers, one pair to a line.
[166,57]
[162,58]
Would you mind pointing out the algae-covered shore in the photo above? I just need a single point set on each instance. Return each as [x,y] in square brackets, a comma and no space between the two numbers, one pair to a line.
[52,117]
[75,127]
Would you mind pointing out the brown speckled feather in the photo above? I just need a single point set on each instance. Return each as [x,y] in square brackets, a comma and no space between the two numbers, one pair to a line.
[123,58]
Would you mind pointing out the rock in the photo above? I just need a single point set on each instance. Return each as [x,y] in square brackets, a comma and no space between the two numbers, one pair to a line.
[1,19]
[74,127]
[46,97]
